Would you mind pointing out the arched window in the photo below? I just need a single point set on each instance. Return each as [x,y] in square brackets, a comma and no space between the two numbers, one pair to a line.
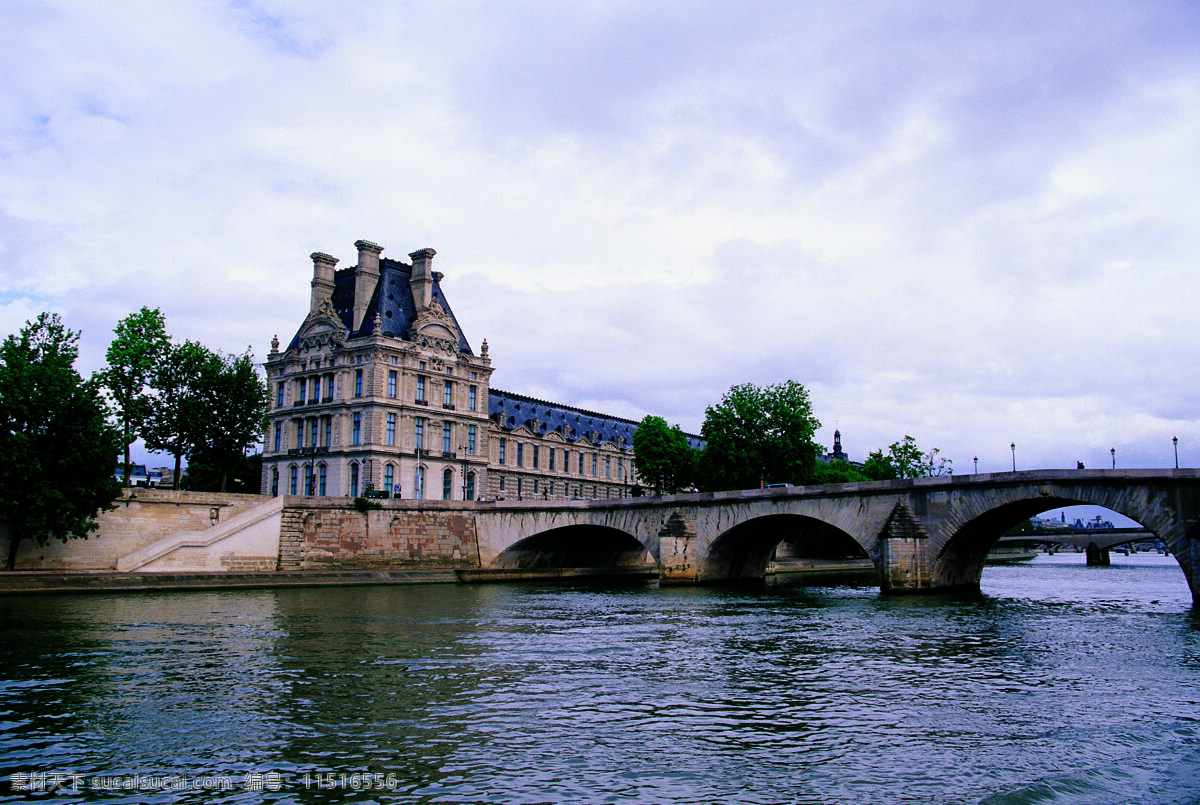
[470,486]
[389,478]
[274,482]
[447,484]
[419,483]
[292,479]
[322,475]
[308,479]
[353,479]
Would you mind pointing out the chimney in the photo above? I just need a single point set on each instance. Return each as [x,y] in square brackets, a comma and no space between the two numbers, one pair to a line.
[366,277]
[422,278]
[322,281]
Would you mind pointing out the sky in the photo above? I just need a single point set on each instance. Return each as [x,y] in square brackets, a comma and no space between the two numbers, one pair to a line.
[972,223]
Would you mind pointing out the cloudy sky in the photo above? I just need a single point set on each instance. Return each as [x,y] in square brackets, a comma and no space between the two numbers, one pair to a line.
[975,223]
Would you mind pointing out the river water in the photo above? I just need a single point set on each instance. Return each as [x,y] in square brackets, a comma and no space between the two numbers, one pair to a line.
[1060,683]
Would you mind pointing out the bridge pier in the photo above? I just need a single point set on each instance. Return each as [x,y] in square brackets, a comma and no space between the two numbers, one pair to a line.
[1097,556]
[678,552]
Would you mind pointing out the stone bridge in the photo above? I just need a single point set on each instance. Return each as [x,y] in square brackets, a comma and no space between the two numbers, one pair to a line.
[925,534]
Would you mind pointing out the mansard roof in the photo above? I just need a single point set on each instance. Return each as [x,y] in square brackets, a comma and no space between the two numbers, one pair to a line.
[510,411]
[392,302]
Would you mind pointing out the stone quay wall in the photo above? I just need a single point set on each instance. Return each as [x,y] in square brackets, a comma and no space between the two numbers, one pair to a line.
[166,531]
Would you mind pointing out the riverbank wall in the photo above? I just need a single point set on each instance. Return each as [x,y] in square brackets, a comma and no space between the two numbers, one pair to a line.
[154,531]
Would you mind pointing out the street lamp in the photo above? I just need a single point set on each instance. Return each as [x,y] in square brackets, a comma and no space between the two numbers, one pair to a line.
[1114,456]
[462,451]
[1013,447]
[976,465]
[1175,441]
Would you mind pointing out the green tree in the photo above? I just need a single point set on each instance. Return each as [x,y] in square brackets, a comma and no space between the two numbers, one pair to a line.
[176,422]
[662,456]
[235,413]
[58,446]
[140,342]
[756,435]
[837,472]
[905,459]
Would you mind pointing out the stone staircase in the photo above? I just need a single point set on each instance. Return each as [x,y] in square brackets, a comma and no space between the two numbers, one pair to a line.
[201,543]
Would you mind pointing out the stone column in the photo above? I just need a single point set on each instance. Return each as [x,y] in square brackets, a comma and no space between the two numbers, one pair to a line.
[678,552]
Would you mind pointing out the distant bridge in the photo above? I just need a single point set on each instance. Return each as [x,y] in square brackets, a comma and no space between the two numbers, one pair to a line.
[924,534]
[1102,538]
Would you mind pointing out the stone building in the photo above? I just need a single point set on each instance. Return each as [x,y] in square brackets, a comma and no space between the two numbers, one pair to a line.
[380,390]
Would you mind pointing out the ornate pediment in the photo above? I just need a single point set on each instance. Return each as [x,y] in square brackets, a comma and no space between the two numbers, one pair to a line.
[434,329]
[321,329]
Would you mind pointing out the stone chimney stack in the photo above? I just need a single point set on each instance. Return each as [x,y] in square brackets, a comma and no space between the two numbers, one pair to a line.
[366,277]
[422,278]
[322,281]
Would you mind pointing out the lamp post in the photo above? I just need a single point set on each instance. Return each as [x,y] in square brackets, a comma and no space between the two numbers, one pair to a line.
[1175,441]
[1114,456]
[976,465]
[1013,447]
[312,470]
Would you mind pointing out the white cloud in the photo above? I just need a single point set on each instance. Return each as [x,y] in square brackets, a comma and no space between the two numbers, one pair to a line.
[971,223]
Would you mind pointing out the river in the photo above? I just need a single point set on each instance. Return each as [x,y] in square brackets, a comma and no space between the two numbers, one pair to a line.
[1059,683]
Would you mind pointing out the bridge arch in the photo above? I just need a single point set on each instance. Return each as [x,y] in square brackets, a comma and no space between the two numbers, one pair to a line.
[742,552]
[583,545]
[979,522]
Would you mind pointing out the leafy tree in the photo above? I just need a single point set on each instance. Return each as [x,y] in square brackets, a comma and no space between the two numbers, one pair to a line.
[906,460]
[837,472]
[245,476]
[757,435]
[140,342]
[662,456]
[176,420]
[57,444]
[235,411]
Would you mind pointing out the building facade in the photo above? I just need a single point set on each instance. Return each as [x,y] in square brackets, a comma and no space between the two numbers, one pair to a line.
[380,392]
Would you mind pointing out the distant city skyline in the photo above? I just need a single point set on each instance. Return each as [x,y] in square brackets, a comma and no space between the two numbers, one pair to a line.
[969,223]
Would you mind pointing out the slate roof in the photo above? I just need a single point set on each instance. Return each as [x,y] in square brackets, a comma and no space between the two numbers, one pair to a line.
[511,411]
[392,300]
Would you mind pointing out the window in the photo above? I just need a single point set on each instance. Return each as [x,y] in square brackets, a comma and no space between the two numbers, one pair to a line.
[300,397]
[278,435]
[390,439]
[419,483]
[421,389]
[470,486]
[308,479]
[421,365]
[535,486]
[299,433]
[518,489]
[446,438]
[447,394]
[312,442]
[291,480]
[419,432]
[501,483]
[552,461]
[535,458]
[594,457]
[472,397]
[394,360]
[279,395]
[275,482]
[471,439]
[316,390]
[389,477]
[581,462]
[503,442]
[474,375]
[321,478]
[550,489]
[356,434]
[358,381]
[447,484]
[392,382]
[608,466]
[520,454]
[328,431]
[353,480]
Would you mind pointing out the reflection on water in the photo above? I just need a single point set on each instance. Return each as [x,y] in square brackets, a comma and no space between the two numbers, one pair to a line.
[1059,683]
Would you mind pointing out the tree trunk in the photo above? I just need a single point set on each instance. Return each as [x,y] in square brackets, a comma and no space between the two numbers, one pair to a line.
[178,470]
[13,541]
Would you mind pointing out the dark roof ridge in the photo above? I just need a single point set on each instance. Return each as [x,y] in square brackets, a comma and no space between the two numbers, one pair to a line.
[527,398]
